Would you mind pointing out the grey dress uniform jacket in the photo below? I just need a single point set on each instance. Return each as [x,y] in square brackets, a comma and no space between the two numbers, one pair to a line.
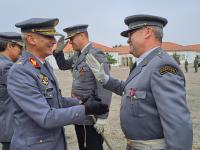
[6,112]
[40,110]
[153,102]
[84,83]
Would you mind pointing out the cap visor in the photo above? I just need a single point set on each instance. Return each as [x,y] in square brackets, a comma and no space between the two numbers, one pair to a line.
[67,38]
[20,43]
[125,33]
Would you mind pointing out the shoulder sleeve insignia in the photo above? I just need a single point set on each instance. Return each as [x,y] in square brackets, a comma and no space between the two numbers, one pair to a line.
[168,68]
[34,62]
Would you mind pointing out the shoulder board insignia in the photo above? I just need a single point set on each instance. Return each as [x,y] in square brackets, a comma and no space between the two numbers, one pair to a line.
[19,62]
[159,54]
[168,68]
[34,62]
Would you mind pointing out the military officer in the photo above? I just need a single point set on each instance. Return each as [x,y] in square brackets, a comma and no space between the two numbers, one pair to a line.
[154,112]
[196,64]
[84,83]
[10,50]
[186,65]
[40,110]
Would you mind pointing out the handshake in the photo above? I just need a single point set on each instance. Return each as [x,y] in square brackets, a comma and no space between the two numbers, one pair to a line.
[93,106]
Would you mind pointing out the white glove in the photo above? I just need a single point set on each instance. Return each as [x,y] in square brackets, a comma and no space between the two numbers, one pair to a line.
[99,125]
[60,44]
[97,68]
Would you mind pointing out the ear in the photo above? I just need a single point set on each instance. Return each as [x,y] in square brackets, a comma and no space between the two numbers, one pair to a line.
[9,45]
[30,39]
[148,32]
[82,35]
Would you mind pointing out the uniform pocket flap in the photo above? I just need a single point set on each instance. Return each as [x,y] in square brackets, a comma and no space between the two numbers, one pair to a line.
[48,93]
[39,140]
[140,94]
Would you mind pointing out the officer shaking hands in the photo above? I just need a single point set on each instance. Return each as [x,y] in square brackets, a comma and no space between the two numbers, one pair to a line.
[40,110]
[154,112]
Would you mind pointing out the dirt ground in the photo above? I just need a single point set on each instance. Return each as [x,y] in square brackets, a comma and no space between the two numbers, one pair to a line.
[112,130]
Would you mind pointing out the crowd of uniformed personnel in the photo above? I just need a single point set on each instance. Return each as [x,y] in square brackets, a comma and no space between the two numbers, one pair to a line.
[195,65]
[154,114]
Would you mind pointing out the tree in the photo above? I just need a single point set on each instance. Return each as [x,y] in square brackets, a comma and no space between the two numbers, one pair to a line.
[115,46]
[110,59]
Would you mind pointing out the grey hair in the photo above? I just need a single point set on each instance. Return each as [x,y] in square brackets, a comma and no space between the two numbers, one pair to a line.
[158,32]
[23,35]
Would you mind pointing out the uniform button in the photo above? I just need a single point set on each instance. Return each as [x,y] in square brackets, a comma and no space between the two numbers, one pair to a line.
[41,141]
[76,114]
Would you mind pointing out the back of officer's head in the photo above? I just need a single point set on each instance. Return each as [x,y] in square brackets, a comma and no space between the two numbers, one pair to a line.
[3,45]
[154,35]
[158,33]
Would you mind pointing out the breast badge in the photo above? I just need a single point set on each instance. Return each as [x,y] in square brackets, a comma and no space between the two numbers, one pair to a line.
[44,79]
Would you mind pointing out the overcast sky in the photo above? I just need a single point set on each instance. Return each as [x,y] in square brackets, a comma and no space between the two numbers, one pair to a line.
[106,17]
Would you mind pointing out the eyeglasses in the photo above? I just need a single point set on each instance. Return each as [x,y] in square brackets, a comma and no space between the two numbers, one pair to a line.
[134,31]
[72,38]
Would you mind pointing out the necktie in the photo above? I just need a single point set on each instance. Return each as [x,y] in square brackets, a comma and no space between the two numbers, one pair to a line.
[133,67]
[78,53]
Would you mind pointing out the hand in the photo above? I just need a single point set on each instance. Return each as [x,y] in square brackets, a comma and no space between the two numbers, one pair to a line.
[60,44]
[99,125]
[83,100]
[96,67]
[94,107]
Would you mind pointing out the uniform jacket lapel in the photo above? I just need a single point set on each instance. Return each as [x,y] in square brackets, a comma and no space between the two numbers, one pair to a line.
[83,55]
[42,69]
[50,69]
[138,68]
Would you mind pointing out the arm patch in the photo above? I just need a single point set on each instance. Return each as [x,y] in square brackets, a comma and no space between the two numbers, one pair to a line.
[168,68]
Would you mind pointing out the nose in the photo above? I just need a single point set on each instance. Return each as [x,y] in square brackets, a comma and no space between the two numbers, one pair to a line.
[53,40]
